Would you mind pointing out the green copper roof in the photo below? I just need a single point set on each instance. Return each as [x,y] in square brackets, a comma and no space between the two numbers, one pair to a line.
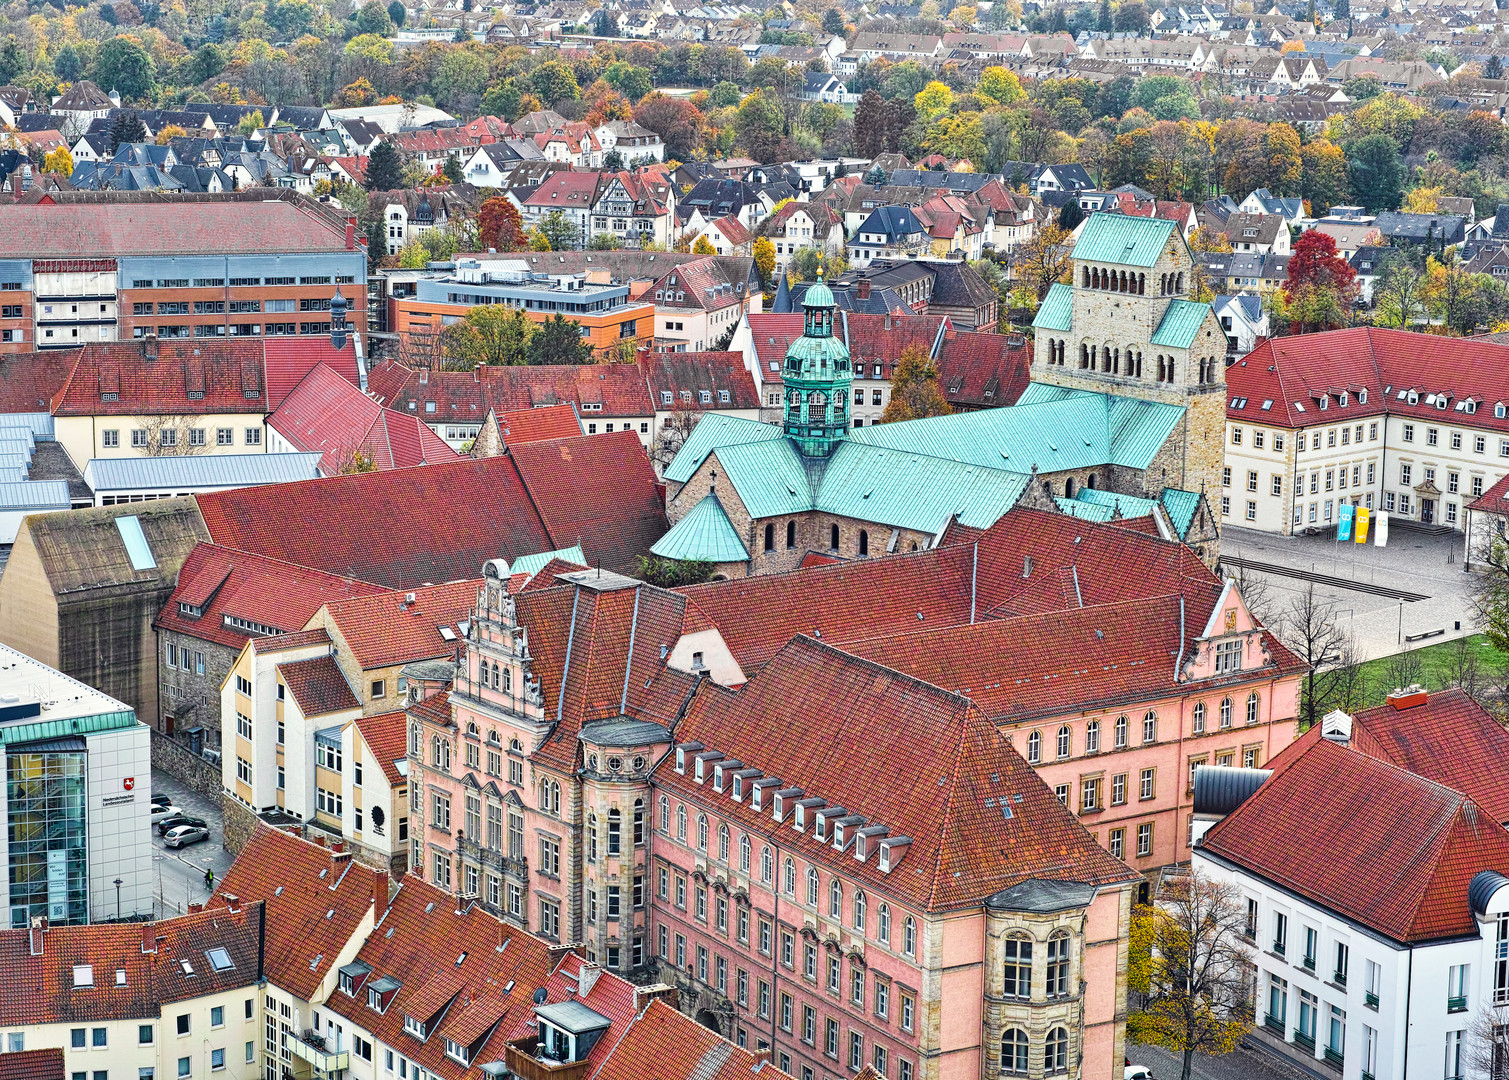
[875,483]
[1123,240]
[818,295]
[1180,323]
[1057,312]
[43,728]
[705,534]
[1117,505]
[712,431]
[533,564]
[1181,506]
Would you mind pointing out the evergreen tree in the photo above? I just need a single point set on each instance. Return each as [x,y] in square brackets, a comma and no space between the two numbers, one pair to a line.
[559,341]
[1070,215]
[126,128]
[1494,69]
[377,245]
[67,65]
[833,21]
[397,12]
[451,170]
[384,168]
[1105,16]
[876,177]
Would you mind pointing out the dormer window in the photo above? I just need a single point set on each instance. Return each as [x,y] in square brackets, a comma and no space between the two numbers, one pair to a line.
[455,1051]
[1362,397]
[1324,399]
[1412,397]
[413,1027]
[1341,399]
[1441,401]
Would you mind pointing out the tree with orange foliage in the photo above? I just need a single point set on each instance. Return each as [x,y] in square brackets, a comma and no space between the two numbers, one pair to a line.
[499,225]
[1321,289]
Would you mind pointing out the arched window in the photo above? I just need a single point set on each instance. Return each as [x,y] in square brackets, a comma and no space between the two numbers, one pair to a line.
[1018,968]
[1058,965]
[744,854]
[859,910]
[507,680]
[909,936]
[681,823]
[767,866]
[591,837]
[497,678]
[1092,736]
[615,832]
[1225,713]
[1064,741]
[723,843]
[788,876]
[1121,732]
[1084,355]
[1252,707]
[639,823]
[883,925]
[1199,716]
[665,814]
[833,536]
[812,887]
[770,537]
[1034,747]
[550,796]
[790,535]
[701,832]
[835,900]
[1086,277]
[1069,488]
[1149,726]
[1014,1052]
[864,542]
[1056,1052]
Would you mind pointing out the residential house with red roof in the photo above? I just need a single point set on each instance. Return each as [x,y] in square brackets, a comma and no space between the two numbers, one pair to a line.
[798,225]
[636,206]
[699,304]
[684,386]
[329,414]
[728,236]
[222,599]
[571,193]
[516,426]
[1410,425]
[1387,949]
[179,996]
[572,143]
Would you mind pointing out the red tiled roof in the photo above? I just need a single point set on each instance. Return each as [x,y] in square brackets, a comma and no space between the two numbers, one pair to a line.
[362,535]
[28,381]
[539,425]
[384,629]
[96,230]
[295,640]
[697,284]
[667,1045]
[289,359]
[1450,739]
[386,736]
[318,685]
[236,584]
[563,190]
[695,372]
[733,230]
[227,373]
[40,989]
[901,753]
[468,395]
[872,339]
[599,491]
[46,1064]
[315,903]
[983,369]
[1495,500]
[609,996]
[1400,849]
[1289,372]
[328,414]
[440,955]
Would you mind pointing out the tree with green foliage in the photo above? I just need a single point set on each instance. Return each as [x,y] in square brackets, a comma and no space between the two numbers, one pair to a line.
[122,64]
[12,60]
[630,81]
[462,74]
[875,177]
[398,13]
[760,123]
[377,245]
[724,95]
[605,24]
[1107,22]
[384,168]
[1494,68]
[560,341]
[1364,87]
[67,64]
[833,22]
[373,18]
[1187,965]
[125,128]
[1375,174]
[489,334]
[1132,18]
[670,573]
[451,170]
[1166,97]
[503,100]
[915,392]
[605,241]
[1070,215]
[553,82]
[559,231]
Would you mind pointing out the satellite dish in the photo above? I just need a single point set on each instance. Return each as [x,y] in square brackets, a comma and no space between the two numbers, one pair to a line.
[540,995]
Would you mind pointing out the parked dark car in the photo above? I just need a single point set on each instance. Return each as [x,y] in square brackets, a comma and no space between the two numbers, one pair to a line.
[172,821]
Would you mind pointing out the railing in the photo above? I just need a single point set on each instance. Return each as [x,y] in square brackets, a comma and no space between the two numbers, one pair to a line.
[1274,1024]
[1307,1041]
[1334,1057]
[1308,964]
[1368,1076]
[1278,947]
[1456,1004]
[311,1048]
[1339,978]
[519,1056]
[1370,999]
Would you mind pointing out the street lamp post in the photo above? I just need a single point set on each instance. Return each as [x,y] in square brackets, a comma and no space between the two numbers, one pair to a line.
[117,899]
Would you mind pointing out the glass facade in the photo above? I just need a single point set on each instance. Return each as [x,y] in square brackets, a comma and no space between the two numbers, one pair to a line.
[45,804]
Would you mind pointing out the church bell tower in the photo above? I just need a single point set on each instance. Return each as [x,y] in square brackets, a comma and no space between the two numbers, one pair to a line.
[816,377]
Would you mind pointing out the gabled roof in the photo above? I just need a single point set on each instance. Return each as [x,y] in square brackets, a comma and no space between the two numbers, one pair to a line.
[28,381]
[45,1064]
[197,377]
[1123,240]
[226,584]
[1400,849]
[85,550]
[386,736]
[384,629]
[539,424]
[704,534]
[902,753]
[695,373]
[289,359]
[466,396]
[318,685]
[669,1045]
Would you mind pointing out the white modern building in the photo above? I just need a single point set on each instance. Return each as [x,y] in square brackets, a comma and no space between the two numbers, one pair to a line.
[78,784]
[1376,909]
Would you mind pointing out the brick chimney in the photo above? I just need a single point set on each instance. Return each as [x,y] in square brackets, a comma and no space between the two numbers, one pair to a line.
[863,285]
[232,902]
[350,234]
[380,890]
[149,346]
[643,995]
[587,979]
[148,938]
[38,934]
[1409,697]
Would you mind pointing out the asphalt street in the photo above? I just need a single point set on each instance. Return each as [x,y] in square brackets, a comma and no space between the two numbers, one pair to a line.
[179,873]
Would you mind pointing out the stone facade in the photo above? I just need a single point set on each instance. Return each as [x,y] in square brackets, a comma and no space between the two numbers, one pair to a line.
[190,673]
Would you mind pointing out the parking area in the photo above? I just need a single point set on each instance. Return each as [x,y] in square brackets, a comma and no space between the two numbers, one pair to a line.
[179,874]
[1243,1063]
[1384,596]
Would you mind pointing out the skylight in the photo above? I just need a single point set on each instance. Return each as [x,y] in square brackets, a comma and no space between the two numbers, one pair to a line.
[220,959]
[135,540]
